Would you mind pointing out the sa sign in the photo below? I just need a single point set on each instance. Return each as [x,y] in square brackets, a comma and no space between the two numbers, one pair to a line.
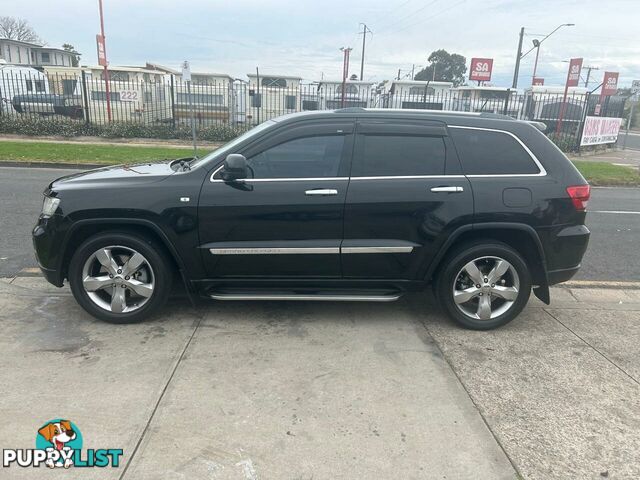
[481,69]
[573,77]
[610,84]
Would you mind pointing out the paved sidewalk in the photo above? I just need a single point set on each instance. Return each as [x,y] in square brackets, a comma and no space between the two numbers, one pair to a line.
[264,390]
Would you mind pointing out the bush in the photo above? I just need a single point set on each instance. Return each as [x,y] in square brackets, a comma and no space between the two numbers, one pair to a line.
[38,126]
[566,143]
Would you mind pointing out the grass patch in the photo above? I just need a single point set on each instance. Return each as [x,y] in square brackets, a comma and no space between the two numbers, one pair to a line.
[88,153]
[606,174]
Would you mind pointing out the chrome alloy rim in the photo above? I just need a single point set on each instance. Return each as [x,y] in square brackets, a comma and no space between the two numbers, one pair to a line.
[118,279]
[486,287]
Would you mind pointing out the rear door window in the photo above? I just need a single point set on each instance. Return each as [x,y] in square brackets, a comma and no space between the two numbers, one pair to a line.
[490,152]
[399,155]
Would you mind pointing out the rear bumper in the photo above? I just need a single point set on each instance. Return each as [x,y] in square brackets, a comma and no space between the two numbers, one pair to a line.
[562,275]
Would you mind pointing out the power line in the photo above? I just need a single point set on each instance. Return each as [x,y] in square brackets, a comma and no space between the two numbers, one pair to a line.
[425,19]
[410,15]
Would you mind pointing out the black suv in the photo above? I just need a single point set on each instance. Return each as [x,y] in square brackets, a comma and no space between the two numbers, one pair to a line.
[352,204]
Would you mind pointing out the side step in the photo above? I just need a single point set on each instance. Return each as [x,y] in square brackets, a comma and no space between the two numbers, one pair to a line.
[319,297]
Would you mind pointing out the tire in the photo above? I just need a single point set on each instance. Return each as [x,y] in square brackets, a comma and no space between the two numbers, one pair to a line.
[506,295]
[120,292]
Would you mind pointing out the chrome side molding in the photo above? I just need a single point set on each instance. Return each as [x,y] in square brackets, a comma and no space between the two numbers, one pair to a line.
[306,298]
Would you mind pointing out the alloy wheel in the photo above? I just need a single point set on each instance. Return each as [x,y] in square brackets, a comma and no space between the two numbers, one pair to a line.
[118,279]
[486,288]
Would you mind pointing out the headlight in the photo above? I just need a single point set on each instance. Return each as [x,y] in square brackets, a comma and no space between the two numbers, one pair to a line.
[49,206]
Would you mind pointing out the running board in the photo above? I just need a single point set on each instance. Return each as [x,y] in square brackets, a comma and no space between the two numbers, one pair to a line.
[306,297]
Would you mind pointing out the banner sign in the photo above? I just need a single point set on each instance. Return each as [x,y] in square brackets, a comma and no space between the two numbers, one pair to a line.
[573,77]
[538,81]
[609,84]
[481,69]
[102,55]
[598,130]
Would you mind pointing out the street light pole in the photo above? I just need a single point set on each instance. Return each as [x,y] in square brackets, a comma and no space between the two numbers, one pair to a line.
[519,55]
[537,43]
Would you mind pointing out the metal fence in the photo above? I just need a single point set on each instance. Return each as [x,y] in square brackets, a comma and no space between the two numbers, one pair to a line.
[165,99]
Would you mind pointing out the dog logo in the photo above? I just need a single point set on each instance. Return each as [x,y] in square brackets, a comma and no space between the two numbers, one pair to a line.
[59,444]
[61,436]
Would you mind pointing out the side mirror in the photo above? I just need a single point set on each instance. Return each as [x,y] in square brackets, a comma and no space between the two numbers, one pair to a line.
[235,167]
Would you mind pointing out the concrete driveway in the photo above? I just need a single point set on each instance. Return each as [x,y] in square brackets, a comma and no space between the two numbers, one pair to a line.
[316,390]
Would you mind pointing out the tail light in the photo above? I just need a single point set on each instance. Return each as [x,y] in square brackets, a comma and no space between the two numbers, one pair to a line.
[579,195]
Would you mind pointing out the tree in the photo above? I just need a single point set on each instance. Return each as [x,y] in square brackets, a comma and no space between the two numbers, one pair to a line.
[444,67]
[75,58]
[17,29]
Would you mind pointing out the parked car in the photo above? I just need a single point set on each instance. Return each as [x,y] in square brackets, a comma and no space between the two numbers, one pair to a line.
[352,204]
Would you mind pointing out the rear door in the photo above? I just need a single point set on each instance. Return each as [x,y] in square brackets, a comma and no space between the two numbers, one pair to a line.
[406,194]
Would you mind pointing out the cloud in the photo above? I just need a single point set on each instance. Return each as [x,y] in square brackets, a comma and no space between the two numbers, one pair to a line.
[303,37]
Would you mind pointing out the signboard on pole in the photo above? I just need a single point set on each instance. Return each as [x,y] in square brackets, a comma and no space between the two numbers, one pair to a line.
[102,53]
[635,87]
[186,71]
[609,84]
[481,69]
[538,81]
[573,77]
[599,130]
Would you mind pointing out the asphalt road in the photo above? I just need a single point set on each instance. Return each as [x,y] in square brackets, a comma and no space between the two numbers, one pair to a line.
[633,140]
[613,255]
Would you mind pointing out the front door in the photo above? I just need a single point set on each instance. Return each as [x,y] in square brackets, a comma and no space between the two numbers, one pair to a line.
[405,195]
[287,219]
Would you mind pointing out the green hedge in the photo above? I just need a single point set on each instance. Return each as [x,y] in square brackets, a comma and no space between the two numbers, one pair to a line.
[37,126]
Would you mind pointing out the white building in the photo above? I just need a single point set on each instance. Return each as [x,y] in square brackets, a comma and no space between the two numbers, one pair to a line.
[356,94]
[270,96]
[422,94]
[24,53]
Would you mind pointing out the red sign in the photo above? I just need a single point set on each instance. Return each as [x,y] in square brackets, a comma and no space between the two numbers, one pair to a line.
[538,81]
[573,77]
[102,54]
[609,84]
[481,69]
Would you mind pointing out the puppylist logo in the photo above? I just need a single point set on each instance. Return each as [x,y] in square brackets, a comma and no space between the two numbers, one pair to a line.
[59,444]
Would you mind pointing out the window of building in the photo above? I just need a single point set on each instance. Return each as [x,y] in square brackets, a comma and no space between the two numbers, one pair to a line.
[492,95]
[45,57]
[491,153]
[115,76]
[201,98]
[102,96]
[309,105]
[273,82]
[256,100]
[399,155]
[290,102]
[303,157]
[348,89]
[37,84]
[334,104]
[421,91]
[69,86]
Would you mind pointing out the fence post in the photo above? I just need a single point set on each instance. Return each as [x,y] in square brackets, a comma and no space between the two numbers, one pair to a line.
[85,97]
[173,103]
[506,102]
[583,121]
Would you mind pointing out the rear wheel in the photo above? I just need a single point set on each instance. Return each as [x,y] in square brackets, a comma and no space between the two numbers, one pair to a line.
[484,286]
[119,277]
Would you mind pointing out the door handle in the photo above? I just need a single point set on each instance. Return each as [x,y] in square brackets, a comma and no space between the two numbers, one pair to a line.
[321,192]
[449,189]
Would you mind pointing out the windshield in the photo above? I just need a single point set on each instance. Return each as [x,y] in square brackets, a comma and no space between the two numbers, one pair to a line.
[228,147]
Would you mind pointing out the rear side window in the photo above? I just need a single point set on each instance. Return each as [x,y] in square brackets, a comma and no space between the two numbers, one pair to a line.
[485,152]
[401,155]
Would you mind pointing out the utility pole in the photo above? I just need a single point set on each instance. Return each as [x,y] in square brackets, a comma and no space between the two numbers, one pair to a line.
[106,70]
[413,68]
[345,71]
[364,32]
[516,70]
[589,68]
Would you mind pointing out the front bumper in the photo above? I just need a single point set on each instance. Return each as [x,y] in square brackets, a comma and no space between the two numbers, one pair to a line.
[48,244]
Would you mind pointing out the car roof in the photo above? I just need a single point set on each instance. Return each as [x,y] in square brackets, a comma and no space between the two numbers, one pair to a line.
[471,119]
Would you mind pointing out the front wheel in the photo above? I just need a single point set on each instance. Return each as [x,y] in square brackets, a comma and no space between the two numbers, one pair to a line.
[119,277]
[484,286]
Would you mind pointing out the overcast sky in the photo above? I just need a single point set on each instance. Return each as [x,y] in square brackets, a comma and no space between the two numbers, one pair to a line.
[300,37]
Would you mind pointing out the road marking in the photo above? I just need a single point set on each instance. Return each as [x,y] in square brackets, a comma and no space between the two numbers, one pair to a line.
[614,211]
